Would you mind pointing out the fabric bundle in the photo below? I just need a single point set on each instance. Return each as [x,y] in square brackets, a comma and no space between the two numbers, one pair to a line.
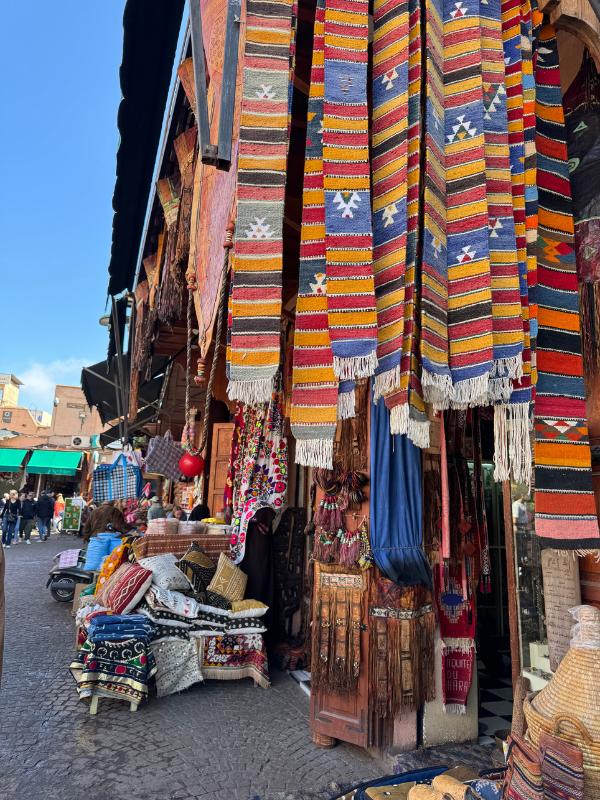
[402,625]
[336,638]
[256,299]
[565,507]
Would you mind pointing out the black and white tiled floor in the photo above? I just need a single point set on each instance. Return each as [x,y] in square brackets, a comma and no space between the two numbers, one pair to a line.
[495,705]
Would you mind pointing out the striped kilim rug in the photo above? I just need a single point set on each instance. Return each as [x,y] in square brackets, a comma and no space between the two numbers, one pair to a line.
[256,299]
[565,508]
[507,325]
[436,378]
[469,282]
[407,409]
[389,165]
[347,183]
[512,454]
[315,386]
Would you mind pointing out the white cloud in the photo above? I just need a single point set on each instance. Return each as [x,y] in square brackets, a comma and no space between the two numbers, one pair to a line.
[39,380]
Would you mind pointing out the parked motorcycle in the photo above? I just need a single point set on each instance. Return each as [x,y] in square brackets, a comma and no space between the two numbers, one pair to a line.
[66,573]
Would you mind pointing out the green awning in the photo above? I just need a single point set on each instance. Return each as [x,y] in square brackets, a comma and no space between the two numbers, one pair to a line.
[53,462]
[11,459]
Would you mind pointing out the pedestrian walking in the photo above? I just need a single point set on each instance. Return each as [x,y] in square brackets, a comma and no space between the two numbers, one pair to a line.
[10,515]
[59,510]
[28,515]
[18,534]
[45,512]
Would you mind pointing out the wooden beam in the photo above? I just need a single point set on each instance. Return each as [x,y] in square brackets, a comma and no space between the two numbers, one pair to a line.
[511,580]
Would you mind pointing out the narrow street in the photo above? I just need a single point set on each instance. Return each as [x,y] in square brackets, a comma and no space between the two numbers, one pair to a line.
[215,740]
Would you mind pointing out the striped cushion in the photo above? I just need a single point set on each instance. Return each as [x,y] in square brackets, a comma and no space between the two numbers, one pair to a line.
[128,586]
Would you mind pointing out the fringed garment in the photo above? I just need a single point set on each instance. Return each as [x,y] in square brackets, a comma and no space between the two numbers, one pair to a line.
[340,595]
[256,299]
[401,628]
[565,506]
[347,183]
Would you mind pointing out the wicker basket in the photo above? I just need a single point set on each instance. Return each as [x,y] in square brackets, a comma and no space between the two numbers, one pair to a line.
[569,706]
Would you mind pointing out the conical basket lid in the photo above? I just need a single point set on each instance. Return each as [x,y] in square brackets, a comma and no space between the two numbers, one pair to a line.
[575,687]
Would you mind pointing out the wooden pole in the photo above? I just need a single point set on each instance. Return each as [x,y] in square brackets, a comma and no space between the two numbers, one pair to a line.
[511,580]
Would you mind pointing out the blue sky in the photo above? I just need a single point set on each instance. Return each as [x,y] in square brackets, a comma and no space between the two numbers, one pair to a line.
[60,94]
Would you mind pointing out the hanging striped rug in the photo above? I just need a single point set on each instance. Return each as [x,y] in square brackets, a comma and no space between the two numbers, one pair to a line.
[347,183]
[389,165]
[469,282]
[565,507]
[314,384]
[256,299]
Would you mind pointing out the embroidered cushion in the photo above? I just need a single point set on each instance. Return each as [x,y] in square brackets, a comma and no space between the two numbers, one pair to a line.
[228,580]
[165,572]
[111,563]
[174,601]
[103,591]
[177,665]
[214,600]
[128,586]
[198,568]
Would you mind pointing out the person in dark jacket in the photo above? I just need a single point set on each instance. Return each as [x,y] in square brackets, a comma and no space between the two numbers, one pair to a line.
[28,515]
[45,512]
[10,515]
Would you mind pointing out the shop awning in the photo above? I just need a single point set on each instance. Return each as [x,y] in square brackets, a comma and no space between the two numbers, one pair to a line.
[11,459]
[54,462]
[145,416]
[150,33]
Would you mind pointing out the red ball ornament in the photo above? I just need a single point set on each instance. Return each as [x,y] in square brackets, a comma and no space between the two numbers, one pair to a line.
[191,465]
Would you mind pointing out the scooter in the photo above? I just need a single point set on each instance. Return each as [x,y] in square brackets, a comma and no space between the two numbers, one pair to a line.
[67,572]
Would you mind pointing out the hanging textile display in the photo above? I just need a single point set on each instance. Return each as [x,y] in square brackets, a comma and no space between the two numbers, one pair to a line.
[315,386]
[389,165]
[582,116]
[402,626]
[407,409]
[262,469]
[457,620]
[256,298]
[396,503]
[565,507]
[347,183]
[436,378]
[339,595]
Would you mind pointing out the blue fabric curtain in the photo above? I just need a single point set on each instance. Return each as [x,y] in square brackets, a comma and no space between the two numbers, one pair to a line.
[396,503]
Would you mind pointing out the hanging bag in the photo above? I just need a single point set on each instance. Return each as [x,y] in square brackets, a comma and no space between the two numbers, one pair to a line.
[117,481]
[163,456]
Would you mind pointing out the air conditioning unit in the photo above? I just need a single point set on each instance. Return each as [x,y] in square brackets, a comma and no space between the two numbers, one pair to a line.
[80,441]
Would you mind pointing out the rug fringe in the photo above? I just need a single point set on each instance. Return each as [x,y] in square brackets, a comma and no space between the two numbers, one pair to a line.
[418,432]
[386,382]
[251,393]
[437,389]
[399,419]
[499,390]
[315,453]
[501,460]
[349,368]
[584,553]
[454,708]
[472,392]
[512,444]
[511,367]
[346,405]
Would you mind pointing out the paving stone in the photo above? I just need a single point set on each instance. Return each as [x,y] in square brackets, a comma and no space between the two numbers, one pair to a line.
[217,739]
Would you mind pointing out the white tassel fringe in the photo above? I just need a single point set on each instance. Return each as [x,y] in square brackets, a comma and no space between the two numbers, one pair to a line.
[401,423]
[386,383]
[346,405]
[251,393]
[512,445]
[399,419]
[418,433]
[347,369]
[508,367]
[315,453]
[437,389]
[472,392]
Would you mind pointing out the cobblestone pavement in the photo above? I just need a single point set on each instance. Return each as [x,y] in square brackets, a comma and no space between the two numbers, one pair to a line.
[218,740]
